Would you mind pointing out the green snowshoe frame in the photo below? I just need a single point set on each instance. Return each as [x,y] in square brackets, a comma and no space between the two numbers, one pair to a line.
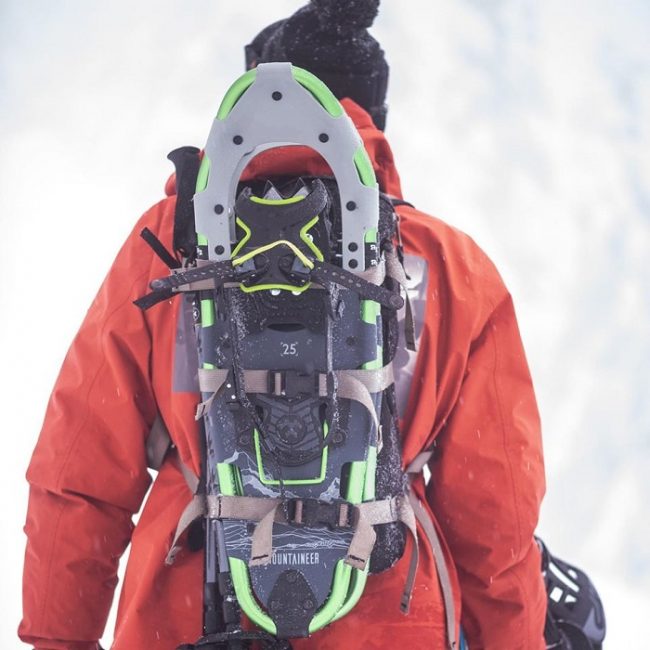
[276,105]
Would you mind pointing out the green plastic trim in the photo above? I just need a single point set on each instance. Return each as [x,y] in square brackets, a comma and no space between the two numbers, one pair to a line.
[303,235]
[235,92]
[343,572]
[242,583]
[371,236]
[359,578]
[227,483]
[364,167]
[201,184]
[261,249]
[326,614]
[282,287]
[291,199]
[295,481]
[244,239]
[357,585]
[356,480]
[203,175]
[370,311]
[323,95]
[377,362]
[207,312]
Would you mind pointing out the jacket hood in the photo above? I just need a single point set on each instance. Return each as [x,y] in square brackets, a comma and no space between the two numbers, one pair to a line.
[297,161]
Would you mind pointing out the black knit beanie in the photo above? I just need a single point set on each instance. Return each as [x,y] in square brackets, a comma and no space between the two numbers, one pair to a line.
[330,39]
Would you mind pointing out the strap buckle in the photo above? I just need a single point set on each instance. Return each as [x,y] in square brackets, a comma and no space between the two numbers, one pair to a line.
[291,383]
[336,515]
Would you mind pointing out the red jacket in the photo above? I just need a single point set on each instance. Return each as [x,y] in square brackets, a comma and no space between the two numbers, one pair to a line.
[470,392]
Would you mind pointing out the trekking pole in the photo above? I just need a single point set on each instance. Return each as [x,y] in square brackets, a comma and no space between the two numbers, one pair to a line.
[221,612]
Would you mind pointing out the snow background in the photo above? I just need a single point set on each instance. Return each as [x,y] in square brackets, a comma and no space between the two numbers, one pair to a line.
[526,124]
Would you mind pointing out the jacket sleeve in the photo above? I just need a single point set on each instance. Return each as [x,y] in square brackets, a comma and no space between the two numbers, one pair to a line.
[487,482]
[88,472]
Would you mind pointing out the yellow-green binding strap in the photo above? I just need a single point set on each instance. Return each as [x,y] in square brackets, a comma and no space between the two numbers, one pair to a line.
[289,481]
[297,252]
[309,242]
[263,201]
[244,239]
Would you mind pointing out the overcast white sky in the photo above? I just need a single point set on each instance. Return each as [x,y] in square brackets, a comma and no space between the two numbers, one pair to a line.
[523,123]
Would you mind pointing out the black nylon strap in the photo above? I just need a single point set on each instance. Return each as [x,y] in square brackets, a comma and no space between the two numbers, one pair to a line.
[220,272]
[165,288]
[159,249]
[324,272]
[153,298]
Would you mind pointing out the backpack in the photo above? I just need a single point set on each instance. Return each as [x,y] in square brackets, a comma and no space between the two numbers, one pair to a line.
[295,284]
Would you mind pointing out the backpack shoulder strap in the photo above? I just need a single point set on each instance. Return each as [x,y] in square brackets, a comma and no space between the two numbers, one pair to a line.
[423,517]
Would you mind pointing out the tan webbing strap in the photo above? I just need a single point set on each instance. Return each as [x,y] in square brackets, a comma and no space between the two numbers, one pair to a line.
[190,477]
[375,380]
[199,285]
[418,463]
[395,270]
[350,387]
[359,384]
[211,380]
[157,443]
[364,537]
[425,521]
[223,506]
[257,381]
[386,511]
[263,510]
[375,274]
[322,385]
[196,508]
[262,538]
[407,517]
[352,384]
[422,515]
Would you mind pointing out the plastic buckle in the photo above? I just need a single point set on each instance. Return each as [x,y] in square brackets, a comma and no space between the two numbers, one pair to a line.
[312,512]
[291,383]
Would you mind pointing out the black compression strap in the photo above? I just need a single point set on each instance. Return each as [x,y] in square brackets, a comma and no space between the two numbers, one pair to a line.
[159,249]
[220,272]
[324,272]
[153,298]
[165,288]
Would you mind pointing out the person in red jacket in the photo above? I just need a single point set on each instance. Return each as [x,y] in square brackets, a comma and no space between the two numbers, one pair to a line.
[467,391]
